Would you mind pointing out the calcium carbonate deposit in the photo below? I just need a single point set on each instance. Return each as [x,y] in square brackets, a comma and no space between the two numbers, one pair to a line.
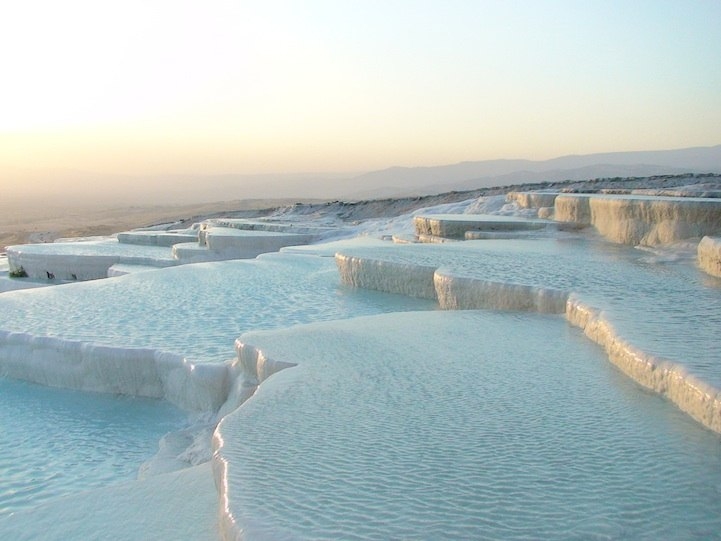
[542,365]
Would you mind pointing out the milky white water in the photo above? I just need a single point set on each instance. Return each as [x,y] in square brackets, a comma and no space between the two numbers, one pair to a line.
[423,425]
[196,311]
[57,441]
[658,300]
[90,440]
[462,425]
[104,247]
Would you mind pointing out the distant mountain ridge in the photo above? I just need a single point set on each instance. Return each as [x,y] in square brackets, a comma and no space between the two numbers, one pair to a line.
[403,181]
[76,187]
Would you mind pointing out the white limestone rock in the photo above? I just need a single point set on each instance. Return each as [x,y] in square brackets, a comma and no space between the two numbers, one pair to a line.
[709,255]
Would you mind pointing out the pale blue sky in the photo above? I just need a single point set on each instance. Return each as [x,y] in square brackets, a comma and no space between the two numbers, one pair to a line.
[151,87]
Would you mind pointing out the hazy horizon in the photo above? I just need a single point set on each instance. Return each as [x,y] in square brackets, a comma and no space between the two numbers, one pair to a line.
[145,95]
[83,189]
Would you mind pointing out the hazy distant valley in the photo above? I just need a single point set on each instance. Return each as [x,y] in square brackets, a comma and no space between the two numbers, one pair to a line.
[77,208]
[81,188]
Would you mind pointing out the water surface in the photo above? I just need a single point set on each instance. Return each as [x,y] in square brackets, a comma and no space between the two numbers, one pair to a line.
[463,425]
[56,441]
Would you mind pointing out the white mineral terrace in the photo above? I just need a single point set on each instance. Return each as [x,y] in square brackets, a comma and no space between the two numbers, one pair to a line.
[303,228]
[633,219]
[232,243]
[455,425]
[599,287]
[165,334]
[456,226]
[158,238]
[212,240]
[83,260]
[343,403]
[709,255]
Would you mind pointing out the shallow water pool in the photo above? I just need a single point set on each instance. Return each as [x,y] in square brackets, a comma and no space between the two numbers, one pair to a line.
[462,425]
[56,441]
[658,301]
[196,311]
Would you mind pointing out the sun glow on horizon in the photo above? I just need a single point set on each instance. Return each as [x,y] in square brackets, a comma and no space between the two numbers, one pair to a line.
[161,87]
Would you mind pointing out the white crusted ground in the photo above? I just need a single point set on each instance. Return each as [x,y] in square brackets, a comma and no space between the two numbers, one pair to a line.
[165,507]
[709,255]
